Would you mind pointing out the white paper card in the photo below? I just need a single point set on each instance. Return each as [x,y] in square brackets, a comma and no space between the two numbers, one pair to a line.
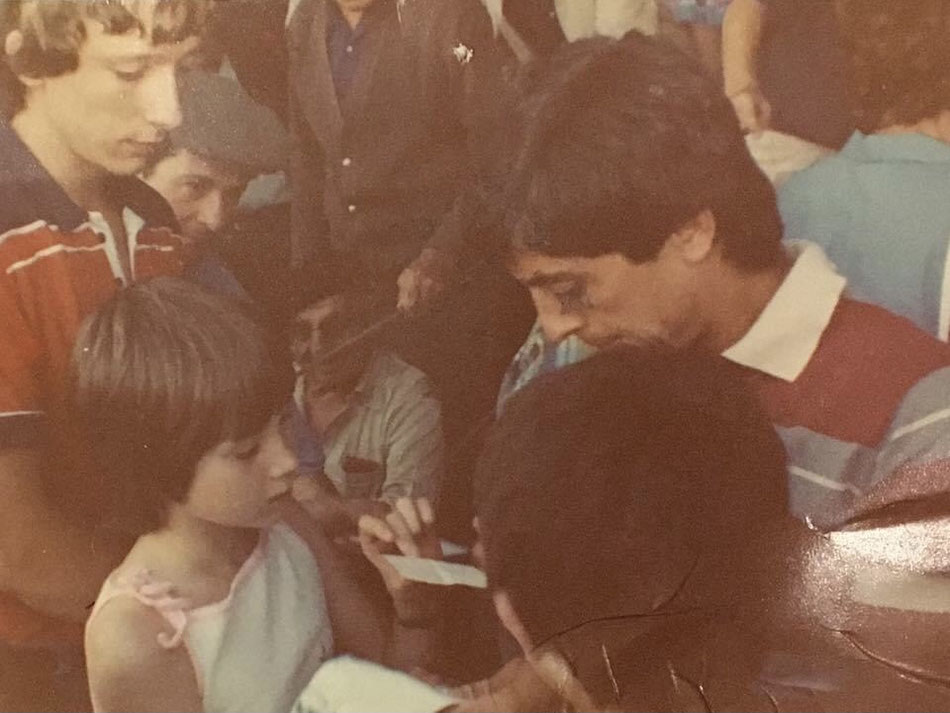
[429,571]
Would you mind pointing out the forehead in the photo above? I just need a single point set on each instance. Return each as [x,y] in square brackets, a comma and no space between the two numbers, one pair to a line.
[184,163]
[102,45]
[537,270]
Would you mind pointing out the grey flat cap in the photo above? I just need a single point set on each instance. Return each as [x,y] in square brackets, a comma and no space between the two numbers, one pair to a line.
[222,122]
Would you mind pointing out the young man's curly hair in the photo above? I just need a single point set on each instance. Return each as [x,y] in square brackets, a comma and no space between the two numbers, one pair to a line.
[900,57]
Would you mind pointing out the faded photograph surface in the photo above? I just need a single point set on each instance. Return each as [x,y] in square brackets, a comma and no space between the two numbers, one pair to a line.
[474,355]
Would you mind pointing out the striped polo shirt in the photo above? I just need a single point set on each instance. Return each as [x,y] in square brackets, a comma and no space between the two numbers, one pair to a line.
[58,263]
[859,396]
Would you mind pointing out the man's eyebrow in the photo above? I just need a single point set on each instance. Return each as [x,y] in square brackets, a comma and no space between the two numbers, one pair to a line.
[545,279]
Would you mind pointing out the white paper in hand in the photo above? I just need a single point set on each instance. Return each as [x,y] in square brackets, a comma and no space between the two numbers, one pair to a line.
[429,571]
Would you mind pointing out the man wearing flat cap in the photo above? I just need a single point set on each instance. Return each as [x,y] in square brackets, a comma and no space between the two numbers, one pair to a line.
[224,141]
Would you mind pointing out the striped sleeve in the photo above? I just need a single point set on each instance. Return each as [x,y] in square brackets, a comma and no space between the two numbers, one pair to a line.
[913,462]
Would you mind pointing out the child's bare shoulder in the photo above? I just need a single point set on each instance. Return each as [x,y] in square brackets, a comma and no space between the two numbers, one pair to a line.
[129,668]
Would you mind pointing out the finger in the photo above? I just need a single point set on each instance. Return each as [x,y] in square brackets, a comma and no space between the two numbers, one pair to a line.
[304,489]
[372,527]
[426,513]
[557,674]
[403,536]
[409,293]
[765,114]
[407,509]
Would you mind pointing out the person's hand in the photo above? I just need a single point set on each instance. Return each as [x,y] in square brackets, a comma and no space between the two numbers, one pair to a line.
[752,108]
[320,500]
[425,278]
[407,530]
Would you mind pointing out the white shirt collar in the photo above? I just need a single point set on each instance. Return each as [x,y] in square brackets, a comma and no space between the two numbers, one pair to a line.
[784,338]
[291,9]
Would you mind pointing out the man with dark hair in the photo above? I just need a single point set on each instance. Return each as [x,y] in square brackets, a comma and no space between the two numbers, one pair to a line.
[96,94]
[368,426]
[637,216]
[879,207]
[631,515]
[225,139]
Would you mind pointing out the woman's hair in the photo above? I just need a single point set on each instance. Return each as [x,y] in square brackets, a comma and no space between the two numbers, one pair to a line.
[900,57]
[162,373]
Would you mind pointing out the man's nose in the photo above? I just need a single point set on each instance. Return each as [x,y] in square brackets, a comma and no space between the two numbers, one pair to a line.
[211,211]
[159,97]
[281,460]
[556,324]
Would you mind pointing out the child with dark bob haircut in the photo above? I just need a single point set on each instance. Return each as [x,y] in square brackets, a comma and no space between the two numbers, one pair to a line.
[219,605]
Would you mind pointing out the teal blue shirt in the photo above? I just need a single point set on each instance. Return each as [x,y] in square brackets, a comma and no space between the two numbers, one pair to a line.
[881,210]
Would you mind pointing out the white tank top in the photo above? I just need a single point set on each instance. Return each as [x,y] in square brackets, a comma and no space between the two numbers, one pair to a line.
[256,649]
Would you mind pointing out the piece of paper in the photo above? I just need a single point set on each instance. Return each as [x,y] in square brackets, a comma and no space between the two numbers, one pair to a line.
[429,571]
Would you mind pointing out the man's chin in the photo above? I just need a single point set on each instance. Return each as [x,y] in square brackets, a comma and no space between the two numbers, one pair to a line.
[131,166]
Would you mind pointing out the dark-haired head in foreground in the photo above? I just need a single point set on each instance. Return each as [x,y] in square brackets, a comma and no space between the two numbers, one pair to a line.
[162,374]
[632,514]
[626,487]
[634,209]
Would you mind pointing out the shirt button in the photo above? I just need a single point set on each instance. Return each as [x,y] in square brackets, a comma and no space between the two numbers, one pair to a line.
[351,208]
[347,162]
[349,49]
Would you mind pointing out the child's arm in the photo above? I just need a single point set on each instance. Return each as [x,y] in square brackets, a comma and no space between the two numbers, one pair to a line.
[129,670]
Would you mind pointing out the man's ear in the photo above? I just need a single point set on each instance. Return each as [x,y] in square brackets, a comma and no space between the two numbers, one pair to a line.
[509,618]
[695,240]
[12,44]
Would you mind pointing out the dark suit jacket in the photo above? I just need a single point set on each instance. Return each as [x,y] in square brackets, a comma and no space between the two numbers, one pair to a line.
[379,175]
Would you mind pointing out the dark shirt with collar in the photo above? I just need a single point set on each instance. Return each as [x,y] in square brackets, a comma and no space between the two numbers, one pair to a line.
[385,135]
[346,44]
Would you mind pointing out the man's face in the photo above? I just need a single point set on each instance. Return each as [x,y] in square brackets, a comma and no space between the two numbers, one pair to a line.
[610,300]
[321,332]
[202,193]
[119,104]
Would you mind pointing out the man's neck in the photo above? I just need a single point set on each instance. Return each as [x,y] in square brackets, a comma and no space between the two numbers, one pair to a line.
[352,17]
[741,298]
[82,182]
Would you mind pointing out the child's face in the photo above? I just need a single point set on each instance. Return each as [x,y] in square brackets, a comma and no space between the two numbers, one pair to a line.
[237,482]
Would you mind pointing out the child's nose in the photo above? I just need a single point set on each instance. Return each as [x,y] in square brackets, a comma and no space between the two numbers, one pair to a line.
[281,461]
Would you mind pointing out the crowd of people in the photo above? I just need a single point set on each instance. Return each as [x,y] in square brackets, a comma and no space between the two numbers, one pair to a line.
[474,355]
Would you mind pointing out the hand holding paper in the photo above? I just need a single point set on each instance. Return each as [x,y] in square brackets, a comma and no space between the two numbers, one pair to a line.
[407,531]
